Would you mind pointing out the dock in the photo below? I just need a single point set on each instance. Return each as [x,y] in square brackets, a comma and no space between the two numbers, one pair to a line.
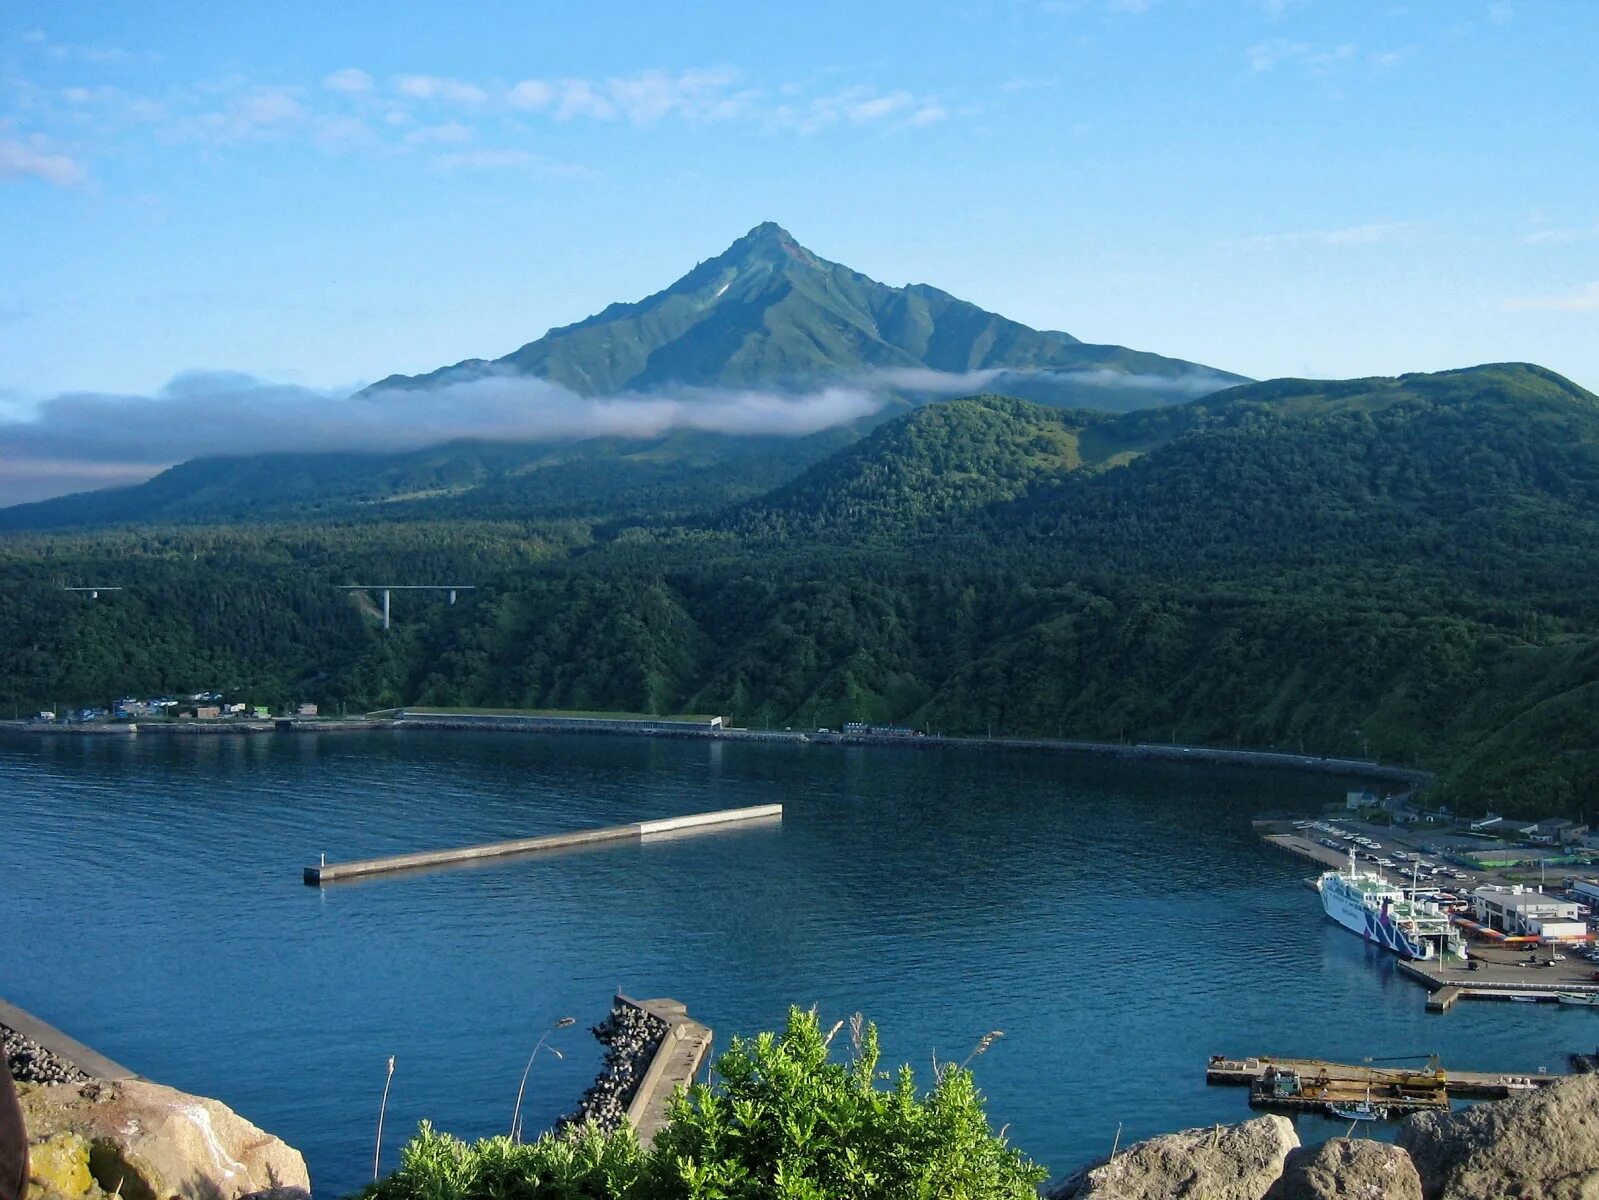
[325,873]
[1400,1090]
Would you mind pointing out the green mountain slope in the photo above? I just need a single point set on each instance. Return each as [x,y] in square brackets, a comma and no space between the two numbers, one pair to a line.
[599,479]
[769,313]
[1403,568]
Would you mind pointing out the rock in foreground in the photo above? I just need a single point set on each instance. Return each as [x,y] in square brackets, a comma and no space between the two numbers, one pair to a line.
[1342,1169]
[1540,1146]
[1227,1162]
[142,1141]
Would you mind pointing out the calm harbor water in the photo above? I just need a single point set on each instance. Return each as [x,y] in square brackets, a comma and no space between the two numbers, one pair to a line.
[1119,923]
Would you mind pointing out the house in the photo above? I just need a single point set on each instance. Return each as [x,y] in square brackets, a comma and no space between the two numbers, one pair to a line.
[1365,798]
[233,710]
[261,712]
[1555,831]
[1518,912]
[305,710]
[207,712]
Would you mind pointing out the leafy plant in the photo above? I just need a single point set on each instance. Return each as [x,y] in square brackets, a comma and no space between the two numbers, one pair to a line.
[786,1122]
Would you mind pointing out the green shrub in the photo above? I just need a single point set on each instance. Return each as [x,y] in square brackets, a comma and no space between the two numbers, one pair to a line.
[785,1123]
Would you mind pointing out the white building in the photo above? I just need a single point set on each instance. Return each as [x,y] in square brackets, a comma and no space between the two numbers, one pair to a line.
[1521,913]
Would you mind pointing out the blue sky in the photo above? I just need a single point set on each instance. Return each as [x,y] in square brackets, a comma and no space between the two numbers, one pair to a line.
[322,194]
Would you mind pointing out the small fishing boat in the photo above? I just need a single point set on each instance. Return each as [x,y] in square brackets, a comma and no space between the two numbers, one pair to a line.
[1359,1110]
[1586,999]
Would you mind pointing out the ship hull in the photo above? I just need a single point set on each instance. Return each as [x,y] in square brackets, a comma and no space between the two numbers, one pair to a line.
[1372,924]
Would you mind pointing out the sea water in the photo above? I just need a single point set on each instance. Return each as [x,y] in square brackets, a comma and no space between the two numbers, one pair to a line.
[1118,921]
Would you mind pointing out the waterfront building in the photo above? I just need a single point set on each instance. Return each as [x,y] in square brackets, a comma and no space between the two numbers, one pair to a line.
[1519,912]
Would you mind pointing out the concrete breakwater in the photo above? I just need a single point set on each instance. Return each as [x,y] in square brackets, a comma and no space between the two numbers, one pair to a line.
[653,1048]
[38,1052]
[327,872]
[631,1037]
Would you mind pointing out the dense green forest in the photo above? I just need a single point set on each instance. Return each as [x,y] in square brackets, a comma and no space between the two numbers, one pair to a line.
[1397,568]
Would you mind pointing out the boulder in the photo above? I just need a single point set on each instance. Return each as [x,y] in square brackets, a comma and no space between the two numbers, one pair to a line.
[58,1167]
[148,1142]
[1226,1162]
[1343,1169]
[1543,1145]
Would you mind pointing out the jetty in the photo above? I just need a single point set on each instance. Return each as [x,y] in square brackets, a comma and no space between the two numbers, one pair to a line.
[326,872]
[1314,1084]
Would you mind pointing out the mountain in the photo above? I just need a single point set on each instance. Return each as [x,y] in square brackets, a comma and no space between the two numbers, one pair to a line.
[769,313]
[1400,568]
[1292,460]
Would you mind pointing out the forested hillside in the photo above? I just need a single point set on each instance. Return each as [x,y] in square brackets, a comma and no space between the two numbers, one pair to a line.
[1400,568]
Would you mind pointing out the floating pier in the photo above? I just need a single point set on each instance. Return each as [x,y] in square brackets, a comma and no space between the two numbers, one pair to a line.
[325,873]
[1398,1090]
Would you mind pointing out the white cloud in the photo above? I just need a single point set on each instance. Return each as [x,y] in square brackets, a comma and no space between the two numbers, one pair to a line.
[1314,59]
[348,79]
[449,133]
[438,87]
[87,439]
[1583,299]
[1560,236]
[250,112]
[20,160]
[532,93]
[858,106]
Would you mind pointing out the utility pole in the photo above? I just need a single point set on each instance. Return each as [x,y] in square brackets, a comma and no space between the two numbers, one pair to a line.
[386,588]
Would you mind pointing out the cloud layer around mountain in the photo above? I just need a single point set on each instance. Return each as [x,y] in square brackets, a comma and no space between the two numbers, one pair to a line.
[80,441]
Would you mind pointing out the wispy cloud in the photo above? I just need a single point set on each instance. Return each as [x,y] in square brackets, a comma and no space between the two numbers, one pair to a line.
[643,98]
[438,87]
[91,439]
[1349,235]
[23,160]
[1561,234]
[71,437]
[1269,55]
[858,106]
[40,42]
[348,109]
[446,133]
[349,79]
[1582,299]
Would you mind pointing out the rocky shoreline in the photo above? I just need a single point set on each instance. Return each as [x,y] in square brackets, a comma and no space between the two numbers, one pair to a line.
[30,1062]
[1542,1145]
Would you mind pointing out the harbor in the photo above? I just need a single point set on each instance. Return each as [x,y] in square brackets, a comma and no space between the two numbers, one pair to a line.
[325,873]
[1520,967]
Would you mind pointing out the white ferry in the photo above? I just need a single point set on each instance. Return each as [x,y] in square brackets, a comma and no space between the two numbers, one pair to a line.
[1367,904]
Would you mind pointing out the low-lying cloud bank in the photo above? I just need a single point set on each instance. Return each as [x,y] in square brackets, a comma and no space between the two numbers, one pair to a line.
[80,441]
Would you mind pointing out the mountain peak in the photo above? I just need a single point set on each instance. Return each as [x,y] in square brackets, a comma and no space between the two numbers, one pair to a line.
[767,231]
[767,312]
[768,242]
